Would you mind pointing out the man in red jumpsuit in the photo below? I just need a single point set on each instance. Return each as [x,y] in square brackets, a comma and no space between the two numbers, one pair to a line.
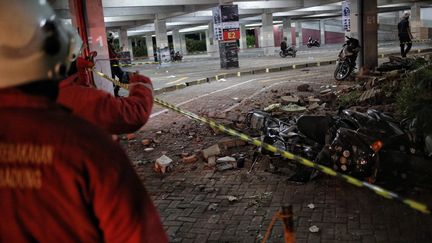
[61,178]
[115,115]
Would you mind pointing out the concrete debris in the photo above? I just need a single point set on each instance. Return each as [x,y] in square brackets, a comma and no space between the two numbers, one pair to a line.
[293,108]
[290,99]
[313,106]
[312,99]
[211,161]
[148,149]
[212,206]
[314,229]
[232,198]
[226,159]
[325,91]
[372,96]
[304,88]
[163,163]
[159,132]
[211,151]
[329,98]
[272,107]
[370,83]
[190,159]
[224,167]
[311,205]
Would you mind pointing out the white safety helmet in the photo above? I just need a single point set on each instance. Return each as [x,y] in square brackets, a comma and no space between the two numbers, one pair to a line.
[406,14]
[34,44]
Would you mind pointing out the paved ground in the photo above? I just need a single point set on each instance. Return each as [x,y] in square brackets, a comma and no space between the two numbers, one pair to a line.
[202,66]
[192,199]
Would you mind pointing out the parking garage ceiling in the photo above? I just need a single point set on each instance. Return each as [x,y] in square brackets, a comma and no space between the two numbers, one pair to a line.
[138,15]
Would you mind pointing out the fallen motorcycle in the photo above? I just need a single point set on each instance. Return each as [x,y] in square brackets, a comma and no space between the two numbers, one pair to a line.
[290,51]
[346,61]
[311,42]
[362,145]
[283,135]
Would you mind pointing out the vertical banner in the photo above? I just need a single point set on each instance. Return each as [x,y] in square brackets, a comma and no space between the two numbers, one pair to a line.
[228,54]
[346,11]
[227,32]
[226,22]
[217,26]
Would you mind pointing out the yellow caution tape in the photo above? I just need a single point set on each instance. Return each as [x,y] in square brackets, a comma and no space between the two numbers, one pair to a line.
[133,64]
[326,170]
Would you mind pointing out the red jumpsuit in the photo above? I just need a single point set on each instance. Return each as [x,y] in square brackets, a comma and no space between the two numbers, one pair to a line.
[115,115]
[64,180]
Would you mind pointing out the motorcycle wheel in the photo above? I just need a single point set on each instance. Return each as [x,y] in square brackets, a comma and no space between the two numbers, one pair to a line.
[294,54]
[343,70]
[281,54]
[318,44]
[309,45]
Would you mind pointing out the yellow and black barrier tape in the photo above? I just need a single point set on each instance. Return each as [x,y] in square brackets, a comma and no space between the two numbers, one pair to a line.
[418,206]
[133,64]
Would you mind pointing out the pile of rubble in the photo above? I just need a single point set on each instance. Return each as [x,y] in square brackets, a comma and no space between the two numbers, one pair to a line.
[217,156]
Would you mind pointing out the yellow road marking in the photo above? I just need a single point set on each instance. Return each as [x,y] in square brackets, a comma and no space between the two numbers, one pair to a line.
[178,80]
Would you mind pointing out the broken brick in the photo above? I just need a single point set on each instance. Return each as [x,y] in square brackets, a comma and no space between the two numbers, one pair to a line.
[231,142]
[146,142]
[190,159]
[130,136]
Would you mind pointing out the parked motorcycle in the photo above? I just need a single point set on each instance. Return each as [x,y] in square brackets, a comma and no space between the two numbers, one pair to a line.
[311,42]
[176,56]
[347,59]
[290,51]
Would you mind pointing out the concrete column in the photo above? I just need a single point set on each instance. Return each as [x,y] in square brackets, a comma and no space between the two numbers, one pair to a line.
[286,26]
[124,45]
[176,40]
[149,45]
[370,34]
[130,48]
[257,32]
[208,45]
[243,41]
[417,28]
[299,36]
[211,44]
[161,33]
[267,35]
[183,44]
[97,39]
[322,31]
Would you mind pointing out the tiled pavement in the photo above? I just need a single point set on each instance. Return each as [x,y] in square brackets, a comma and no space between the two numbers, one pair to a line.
[343,213]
